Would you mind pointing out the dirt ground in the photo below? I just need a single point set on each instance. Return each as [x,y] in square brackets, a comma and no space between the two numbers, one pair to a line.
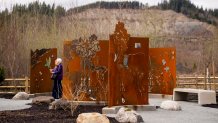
[6,96]
[41,114]
[211,105]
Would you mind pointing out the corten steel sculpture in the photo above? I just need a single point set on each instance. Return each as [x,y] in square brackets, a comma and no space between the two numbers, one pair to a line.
[85,73]
[162,74]
[41,61]
[128,68]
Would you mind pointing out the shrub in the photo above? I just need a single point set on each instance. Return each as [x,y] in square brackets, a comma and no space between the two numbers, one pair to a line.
[2,75]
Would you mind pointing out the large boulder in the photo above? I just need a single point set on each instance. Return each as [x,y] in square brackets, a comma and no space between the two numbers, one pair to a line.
[60,104]
[21,96]
[170,105]
[42,99]
[92,118]
[125,115]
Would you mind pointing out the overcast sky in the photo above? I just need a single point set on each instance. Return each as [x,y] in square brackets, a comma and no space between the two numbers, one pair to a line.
[72,3]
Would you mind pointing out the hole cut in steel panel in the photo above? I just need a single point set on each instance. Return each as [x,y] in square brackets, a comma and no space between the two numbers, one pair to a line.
[40,77]
[128,68]
[98,83]
[162,74]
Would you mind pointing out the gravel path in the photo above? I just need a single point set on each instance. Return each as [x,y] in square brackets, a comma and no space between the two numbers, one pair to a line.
[9,104]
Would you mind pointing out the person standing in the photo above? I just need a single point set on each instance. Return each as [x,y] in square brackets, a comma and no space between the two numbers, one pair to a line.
[57,76]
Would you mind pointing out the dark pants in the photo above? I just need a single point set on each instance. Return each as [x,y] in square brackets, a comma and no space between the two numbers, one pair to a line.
[57,89]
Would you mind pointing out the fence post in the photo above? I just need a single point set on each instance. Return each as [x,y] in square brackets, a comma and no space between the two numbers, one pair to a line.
[26,84]
[177,82]
[214,84]
[196,82]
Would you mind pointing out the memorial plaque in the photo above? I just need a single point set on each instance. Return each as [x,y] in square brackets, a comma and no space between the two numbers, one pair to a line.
[162,74]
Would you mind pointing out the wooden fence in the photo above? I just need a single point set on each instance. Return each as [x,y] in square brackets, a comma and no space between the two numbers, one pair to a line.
[210,83]
[16,87]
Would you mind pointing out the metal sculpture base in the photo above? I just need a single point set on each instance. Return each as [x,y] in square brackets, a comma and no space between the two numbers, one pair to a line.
[115,109]
[88,103]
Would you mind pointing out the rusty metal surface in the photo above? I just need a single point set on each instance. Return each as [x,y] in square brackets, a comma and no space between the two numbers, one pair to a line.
[128,68]
[41,61]
[162,74]
[73,74]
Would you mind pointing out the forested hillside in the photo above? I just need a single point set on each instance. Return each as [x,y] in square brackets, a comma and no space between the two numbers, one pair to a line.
[181,6]
[187,8]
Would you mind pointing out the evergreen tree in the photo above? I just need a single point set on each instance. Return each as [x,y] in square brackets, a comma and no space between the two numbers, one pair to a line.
[190,10]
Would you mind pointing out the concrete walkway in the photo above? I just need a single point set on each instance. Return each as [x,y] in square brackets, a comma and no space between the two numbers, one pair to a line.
[191,113]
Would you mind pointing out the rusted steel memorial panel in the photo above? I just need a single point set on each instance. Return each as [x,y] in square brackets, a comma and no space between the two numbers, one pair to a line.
[162,74]
[85,72]
[121,71]
[128,68]
[41,61]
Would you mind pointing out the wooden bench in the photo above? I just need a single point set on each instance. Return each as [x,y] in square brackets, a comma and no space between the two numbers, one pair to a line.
[204,96]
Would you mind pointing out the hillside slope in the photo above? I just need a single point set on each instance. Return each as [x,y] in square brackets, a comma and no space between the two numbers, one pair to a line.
[193,39]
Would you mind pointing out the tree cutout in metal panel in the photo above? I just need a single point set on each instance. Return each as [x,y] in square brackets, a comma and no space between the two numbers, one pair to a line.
[86,49]
[121,38]
[74,85]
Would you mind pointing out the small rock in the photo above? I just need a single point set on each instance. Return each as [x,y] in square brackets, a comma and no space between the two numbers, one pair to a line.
[21,96]
[170,105]
[121,116]
[128,115]
[42,99]
[92,118]
[60,104]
